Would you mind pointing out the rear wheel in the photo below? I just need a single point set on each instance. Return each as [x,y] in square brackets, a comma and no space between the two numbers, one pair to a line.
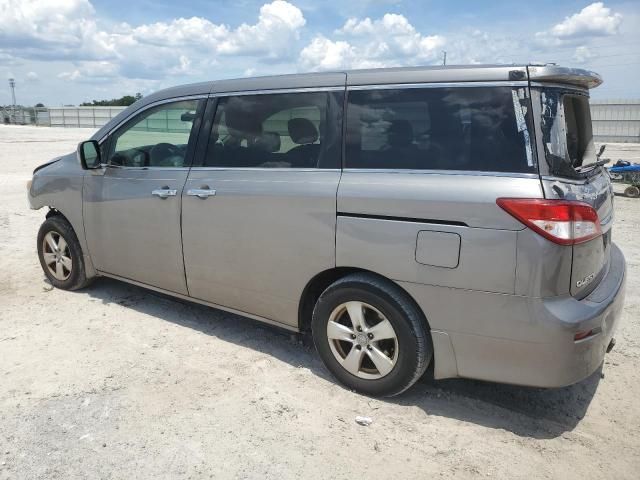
[60,254]
[371,335]
[632,191]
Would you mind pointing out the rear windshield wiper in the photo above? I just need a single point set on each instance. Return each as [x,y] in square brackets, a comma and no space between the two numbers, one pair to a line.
[591,166]
[597,163]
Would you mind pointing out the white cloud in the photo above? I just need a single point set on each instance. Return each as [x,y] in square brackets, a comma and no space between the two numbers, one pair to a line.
[277,28]
[82,55]
[582,54]
[70,30]
[594,19]
[324,54]
[56,21]
[364,43]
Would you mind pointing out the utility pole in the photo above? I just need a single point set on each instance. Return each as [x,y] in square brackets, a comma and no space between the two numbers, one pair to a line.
[12,84]
[444,57]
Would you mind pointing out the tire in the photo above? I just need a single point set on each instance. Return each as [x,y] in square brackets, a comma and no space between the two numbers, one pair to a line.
[65,268]
[632,191]
[351,360]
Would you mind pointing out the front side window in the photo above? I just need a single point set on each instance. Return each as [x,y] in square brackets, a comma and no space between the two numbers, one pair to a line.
[268,131]
[158,137]
[465,128]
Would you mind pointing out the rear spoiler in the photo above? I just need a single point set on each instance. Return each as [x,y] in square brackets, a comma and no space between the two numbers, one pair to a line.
[572,76]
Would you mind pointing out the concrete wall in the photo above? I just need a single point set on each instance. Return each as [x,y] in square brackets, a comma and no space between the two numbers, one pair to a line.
[613,120]
[616,120]
[93,117]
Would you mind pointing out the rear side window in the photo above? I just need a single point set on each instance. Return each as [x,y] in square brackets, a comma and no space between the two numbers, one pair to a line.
[566,131]
[465,128]
[269,131]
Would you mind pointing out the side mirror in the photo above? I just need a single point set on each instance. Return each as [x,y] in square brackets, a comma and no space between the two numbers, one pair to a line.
[89,154]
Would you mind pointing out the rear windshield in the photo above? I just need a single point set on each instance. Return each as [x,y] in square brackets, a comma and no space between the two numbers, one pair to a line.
[464,128]
[566,131]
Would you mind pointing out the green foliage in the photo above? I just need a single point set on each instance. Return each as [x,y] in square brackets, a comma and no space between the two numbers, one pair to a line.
[114,102]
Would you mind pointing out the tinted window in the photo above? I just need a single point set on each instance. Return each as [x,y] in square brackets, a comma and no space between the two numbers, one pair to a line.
[470,128]
[269,131]
[158,137]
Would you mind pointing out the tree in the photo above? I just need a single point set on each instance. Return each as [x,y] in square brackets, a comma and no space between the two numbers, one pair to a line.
[39,105]
[114,102]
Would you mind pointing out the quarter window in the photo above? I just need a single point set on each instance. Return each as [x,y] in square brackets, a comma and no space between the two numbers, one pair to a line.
[470,128]
[158,137]
[268,131]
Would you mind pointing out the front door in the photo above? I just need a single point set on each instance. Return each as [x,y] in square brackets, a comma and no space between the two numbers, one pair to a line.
[132,207]
[259,211]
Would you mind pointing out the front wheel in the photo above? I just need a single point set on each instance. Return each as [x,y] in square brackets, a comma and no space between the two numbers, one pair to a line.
[60,254]
[371,335]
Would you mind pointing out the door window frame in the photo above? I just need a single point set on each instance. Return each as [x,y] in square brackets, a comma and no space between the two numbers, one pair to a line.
[336,97]
[106,143]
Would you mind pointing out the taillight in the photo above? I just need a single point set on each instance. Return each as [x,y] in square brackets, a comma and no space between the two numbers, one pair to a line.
[561,221]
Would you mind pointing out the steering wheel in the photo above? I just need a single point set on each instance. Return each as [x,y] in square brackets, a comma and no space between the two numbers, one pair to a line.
[161,153]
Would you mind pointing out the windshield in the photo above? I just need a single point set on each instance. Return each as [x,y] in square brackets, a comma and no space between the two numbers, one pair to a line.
[566,131]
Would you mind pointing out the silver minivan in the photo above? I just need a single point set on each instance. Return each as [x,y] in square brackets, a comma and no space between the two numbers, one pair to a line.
[452,217]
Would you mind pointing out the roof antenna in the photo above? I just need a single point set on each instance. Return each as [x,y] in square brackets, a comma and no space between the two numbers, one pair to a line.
[444,57]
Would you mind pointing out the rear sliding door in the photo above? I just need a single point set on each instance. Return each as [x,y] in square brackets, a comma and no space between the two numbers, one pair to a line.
[259,210]
[424,166]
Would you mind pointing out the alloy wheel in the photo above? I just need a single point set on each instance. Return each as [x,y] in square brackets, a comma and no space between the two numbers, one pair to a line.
[362,340]
[57,257]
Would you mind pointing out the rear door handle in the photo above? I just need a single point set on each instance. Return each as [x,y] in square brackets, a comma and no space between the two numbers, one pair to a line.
[201,192]
[164,192]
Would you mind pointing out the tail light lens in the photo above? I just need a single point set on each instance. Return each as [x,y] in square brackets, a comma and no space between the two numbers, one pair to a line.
[561,221]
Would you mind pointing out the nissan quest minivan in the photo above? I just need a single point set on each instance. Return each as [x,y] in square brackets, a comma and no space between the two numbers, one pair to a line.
[453,217]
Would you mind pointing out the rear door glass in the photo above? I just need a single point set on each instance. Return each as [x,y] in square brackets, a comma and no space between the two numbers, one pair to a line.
[466,128]
[269,131]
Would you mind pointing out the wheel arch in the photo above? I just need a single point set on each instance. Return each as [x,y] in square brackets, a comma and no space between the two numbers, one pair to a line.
[78,230]
[323,280]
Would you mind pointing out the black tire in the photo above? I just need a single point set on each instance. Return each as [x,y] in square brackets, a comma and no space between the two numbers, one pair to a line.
[632,191]
[59,226]
[414,346]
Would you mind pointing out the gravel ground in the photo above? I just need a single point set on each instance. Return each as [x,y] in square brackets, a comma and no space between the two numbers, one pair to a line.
[118,382]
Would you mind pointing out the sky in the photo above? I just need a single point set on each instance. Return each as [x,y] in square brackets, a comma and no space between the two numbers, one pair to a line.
[70,51]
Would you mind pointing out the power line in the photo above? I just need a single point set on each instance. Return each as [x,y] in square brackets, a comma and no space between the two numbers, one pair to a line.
[595,57]
[618,64]
[595,47]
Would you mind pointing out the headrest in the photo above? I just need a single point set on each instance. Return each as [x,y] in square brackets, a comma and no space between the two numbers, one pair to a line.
[302,131]
[240,124]
[267,142]
[400,133]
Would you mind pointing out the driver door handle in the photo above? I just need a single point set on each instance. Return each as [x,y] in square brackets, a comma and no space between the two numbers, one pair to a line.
[201,192]
[164,192]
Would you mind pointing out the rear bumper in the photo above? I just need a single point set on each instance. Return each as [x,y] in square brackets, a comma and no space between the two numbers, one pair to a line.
[523,340]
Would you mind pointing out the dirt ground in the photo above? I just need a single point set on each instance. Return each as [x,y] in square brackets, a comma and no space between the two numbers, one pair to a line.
[118,382]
